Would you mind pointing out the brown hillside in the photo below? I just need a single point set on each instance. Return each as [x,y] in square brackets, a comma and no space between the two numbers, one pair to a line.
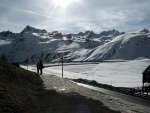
[18,88]
[22,91]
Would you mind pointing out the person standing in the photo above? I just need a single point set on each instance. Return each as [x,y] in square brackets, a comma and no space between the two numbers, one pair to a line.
[40,67]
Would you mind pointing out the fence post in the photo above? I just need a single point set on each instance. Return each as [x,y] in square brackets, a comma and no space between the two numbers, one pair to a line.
[140,92]
[62,67]
[27,64]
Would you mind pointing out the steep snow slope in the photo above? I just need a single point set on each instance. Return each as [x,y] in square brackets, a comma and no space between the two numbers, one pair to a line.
[127,46]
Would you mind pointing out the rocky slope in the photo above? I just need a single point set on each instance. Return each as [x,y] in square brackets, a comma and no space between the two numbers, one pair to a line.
[128,46]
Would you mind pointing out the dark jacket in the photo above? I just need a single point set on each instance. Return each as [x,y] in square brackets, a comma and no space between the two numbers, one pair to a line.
[39,65]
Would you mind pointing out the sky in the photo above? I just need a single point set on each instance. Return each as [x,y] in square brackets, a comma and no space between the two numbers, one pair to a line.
[73,16]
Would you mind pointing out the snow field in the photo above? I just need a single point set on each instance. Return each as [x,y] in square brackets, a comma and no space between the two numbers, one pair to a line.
[120,74]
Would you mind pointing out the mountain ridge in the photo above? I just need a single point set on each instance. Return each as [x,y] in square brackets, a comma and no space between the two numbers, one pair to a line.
[34,44]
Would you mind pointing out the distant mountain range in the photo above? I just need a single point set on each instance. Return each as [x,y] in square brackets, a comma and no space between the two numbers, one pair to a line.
[33,44]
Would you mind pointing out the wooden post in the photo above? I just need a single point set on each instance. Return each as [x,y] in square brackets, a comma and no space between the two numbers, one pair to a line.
[143,88]
[62,67]
[27,64]
[139,91]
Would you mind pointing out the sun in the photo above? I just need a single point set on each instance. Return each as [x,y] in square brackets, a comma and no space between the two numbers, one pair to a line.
[62,3]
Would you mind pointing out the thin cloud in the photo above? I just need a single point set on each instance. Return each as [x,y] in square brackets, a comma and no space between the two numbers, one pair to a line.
[96,15]
[32,12]
[35,13]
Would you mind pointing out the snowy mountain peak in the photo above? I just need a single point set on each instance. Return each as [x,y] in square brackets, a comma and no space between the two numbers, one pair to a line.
[144,31]
[6,33]
[34,44]
[87,32]
[127,46]
[110,32]
[29,29]
[91,34]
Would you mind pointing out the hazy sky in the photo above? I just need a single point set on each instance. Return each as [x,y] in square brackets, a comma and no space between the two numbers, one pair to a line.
[75,15]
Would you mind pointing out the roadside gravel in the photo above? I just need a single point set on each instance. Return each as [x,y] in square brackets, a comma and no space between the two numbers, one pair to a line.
[65,85]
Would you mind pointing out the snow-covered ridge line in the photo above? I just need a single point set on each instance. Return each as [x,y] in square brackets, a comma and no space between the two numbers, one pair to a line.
[33,44]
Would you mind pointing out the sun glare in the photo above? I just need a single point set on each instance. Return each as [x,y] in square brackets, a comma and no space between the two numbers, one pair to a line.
[62,3]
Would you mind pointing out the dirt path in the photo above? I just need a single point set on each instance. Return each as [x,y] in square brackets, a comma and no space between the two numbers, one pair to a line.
[67,86]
